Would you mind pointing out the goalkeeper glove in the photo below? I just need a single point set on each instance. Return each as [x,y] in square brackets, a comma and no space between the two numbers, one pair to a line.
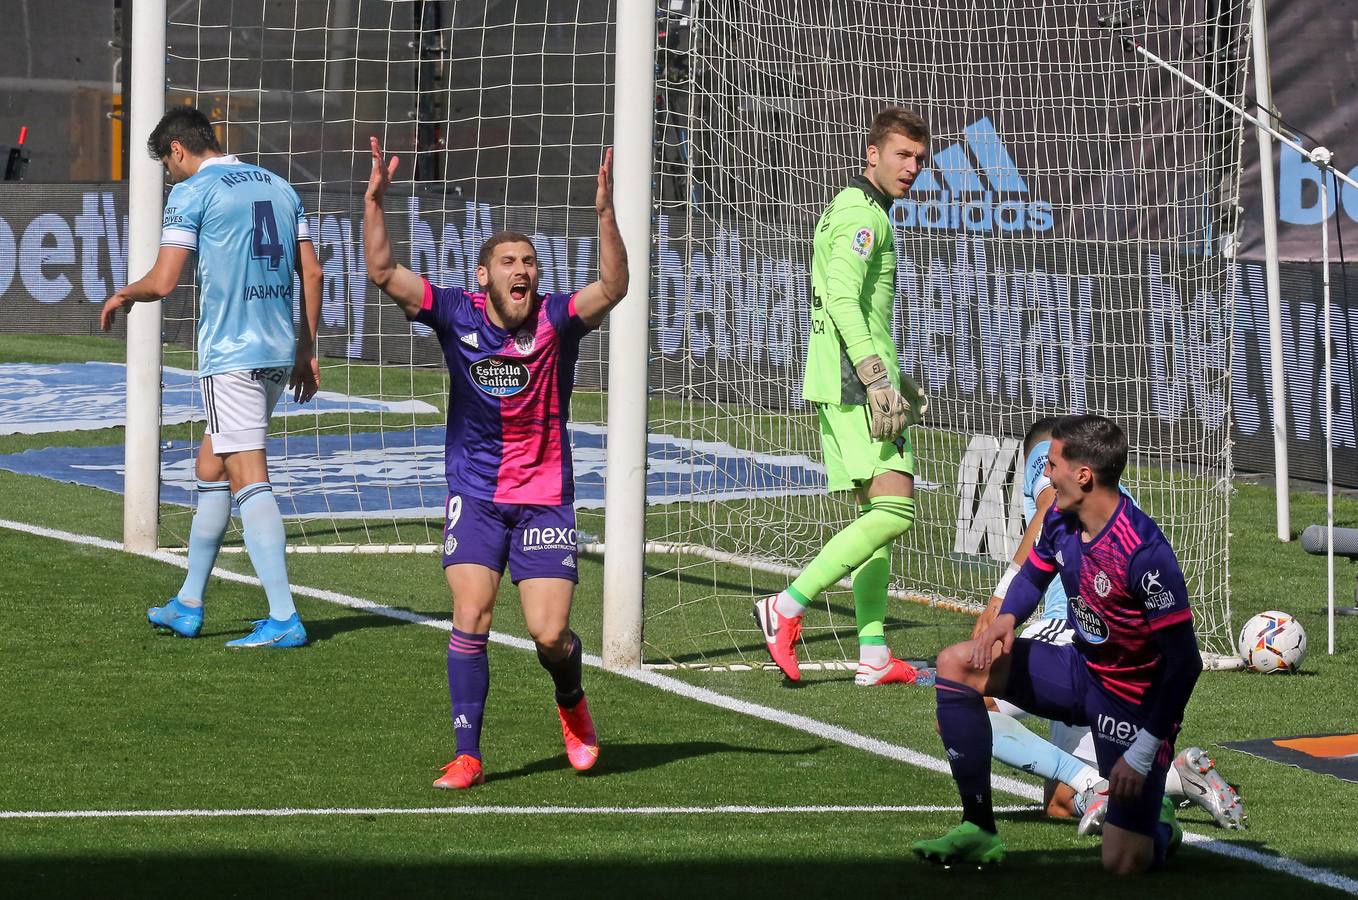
[915,398]
[887,409]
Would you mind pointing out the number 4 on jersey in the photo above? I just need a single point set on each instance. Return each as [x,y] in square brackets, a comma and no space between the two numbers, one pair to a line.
[265,243]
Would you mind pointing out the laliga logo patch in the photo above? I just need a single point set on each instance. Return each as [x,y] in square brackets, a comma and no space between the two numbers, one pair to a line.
[499,377]
[1150,583]
[525,341]
[1102,585]
[1090,624]
[862,242]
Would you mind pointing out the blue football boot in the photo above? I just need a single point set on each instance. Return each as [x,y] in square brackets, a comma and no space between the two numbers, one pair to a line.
[177,617]
[273,633]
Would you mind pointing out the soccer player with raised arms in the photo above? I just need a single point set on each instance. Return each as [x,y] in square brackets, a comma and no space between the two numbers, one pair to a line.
[1128,673]
[511,356]
[863,403]
[248,229]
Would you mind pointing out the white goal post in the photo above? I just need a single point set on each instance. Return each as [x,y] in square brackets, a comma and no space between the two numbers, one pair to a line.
[141,488]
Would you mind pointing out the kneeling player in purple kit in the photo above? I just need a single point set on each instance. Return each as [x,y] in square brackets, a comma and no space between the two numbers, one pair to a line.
[511,356]
[1128,674]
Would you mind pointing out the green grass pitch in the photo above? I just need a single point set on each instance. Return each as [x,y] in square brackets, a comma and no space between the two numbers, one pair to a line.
[100,713]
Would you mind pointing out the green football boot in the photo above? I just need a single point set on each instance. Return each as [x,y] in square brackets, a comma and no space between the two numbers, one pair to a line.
[967,843]
[1176,833]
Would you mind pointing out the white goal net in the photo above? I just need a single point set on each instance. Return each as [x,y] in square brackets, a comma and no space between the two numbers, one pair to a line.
[1068,248]
[498,112]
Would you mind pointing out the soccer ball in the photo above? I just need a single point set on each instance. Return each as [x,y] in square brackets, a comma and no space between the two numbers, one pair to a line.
[1272,642]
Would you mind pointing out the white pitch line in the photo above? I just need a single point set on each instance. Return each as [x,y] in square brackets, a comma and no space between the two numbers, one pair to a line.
[1275,862]
[286,812]
[703,695]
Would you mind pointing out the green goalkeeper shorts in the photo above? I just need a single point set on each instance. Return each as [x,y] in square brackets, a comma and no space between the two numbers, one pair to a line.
[852,457]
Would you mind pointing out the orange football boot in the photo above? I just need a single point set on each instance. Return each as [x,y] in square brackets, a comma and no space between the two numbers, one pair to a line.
[461,773]
[780,635]
[577,730]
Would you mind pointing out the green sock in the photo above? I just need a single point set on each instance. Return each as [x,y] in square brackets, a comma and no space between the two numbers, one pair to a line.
[869,597]
[886,519]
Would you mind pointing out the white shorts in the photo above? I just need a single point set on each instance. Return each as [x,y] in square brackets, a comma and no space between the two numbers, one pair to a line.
[1056,632]
[238,406]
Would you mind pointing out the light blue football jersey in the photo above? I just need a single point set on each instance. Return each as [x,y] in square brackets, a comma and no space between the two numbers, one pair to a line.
[244,223]
[1035,481]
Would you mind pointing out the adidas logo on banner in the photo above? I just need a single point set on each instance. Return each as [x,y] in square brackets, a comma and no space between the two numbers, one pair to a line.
[955,195]
[471,340]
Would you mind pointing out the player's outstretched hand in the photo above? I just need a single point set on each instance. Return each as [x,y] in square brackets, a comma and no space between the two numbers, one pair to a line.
[382,173]
[1000,631]
[306,378]
[109,313]
[603,194]
[1124,782]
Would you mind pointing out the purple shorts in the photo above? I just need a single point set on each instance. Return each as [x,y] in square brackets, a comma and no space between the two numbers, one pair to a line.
[535,541]
[1053,682]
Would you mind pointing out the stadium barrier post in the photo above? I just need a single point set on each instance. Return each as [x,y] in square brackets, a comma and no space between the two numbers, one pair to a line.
[628,339]
[141,487]
[1263,92]
[1328,396]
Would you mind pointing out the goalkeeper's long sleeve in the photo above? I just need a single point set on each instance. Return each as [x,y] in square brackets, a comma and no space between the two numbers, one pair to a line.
[844,276]
[853,282]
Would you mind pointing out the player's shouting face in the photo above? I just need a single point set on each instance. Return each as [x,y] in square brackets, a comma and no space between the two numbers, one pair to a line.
[510,278]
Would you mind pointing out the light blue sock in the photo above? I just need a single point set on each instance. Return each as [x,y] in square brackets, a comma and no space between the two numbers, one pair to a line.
[1014,745]
[264,540]
[205,538]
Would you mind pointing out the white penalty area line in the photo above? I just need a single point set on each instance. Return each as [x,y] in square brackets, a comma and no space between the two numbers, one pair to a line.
[288,812]
[672,685]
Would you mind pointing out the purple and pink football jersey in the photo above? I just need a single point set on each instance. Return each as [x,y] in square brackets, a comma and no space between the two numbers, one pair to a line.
[1123,585]
[508,396]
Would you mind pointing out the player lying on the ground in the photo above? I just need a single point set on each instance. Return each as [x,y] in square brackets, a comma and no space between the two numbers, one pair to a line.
[511,356]
[249,231]
[1128,674]
[863,403]
[1066,761]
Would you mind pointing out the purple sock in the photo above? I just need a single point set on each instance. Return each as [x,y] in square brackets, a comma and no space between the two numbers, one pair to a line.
[468,685]
[1160,844]
[965,729]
